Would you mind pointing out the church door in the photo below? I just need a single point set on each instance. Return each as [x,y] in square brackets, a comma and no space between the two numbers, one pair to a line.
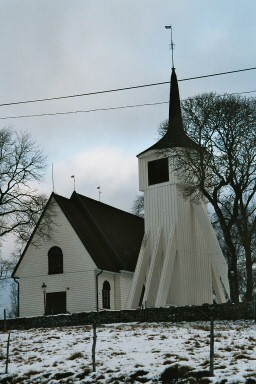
[55,303]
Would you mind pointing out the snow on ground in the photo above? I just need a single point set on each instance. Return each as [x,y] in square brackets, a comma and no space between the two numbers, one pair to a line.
[132,353]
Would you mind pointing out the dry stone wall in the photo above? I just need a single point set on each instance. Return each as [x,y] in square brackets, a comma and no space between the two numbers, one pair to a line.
[241,311]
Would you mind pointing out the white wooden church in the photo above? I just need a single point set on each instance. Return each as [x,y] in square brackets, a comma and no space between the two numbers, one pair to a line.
[99,257]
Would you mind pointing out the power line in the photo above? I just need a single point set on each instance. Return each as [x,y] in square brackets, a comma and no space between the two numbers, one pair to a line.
[218,74]
[104,109]
[84,111]
[122,89]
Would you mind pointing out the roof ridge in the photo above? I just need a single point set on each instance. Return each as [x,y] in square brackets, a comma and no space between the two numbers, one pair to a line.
[107,205]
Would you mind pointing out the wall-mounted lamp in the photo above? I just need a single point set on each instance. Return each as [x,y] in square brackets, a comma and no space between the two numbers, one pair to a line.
[44,286]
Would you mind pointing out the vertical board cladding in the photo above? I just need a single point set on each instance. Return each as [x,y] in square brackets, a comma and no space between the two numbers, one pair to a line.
[217,259]
[191,281]
[125,286]
[154,272]
[139,273]
[166,207]
[161,210]
[77,279]
[118,292]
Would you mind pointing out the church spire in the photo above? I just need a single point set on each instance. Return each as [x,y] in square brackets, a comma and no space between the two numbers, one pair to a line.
[175,124]
[175,135]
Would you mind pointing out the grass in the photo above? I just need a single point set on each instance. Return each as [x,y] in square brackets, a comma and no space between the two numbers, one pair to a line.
[168,362]
[242,356]
[232,351]
[118,353]
[76,355]
[32,373]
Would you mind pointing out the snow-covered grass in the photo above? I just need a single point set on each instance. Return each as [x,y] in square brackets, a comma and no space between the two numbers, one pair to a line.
[132,353]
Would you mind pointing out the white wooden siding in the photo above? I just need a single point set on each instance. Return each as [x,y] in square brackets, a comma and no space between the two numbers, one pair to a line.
[191,281]
[125,285]
[117,292]
[192,258]
[78,279]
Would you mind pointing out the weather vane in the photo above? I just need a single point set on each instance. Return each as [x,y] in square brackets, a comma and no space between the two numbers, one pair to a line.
[99,191]
[171,45]
[74,179]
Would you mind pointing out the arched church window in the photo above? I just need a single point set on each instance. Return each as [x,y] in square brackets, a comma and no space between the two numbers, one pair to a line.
[106,295]
[158,171]
[55,260]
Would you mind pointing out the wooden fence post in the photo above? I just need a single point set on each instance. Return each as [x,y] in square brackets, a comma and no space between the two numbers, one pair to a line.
[211,370]
[212,348]
[94,346]
[254,302]
[5,326]
[7,353]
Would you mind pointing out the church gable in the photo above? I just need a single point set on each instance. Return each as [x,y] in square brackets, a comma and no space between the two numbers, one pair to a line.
[86,264]
[110,236]
[35,258]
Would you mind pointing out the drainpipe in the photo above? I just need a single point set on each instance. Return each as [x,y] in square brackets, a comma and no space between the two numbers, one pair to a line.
[18,304]
[97,290]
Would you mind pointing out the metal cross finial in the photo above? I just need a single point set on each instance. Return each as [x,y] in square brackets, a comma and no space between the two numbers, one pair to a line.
[171,45]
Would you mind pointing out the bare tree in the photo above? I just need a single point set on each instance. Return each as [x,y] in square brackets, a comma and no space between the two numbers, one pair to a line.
[138,206]
[21,164]
[223,171]
[6,267]
[14,306]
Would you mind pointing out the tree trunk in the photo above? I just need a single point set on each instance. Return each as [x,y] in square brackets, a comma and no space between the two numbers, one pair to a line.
[249,274]
[232,268]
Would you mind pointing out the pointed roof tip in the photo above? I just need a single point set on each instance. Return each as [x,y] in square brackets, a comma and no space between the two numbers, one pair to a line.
[175,135]
[175,118]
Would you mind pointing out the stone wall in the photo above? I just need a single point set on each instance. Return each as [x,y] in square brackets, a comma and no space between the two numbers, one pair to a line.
[241,311]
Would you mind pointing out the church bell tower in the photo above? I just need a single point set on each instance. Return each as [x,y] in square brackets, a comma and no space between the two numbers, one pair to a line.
[180,261]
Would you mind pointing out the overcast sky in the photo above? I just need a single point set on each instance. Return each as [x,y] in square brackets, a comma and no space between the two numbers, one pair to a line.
[62,47]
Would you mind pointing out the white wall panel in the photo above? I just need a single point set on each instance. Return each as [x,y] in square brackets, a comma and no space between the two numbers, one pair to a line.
[125,286]
[78,279]
[196,255]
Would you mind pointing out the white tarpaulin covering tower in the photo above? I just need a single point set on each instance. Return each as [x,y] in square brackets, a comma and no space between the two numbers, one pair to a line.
[180,261]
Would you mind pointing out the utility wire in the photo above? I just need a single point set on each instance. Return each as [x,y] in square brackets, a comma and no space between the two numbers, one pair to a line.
[84,111]
[122,89]
[104,109]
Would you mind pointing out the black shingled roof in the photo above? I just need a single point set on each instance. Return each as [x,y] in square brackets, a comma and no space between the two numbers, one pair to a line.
[112,237]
